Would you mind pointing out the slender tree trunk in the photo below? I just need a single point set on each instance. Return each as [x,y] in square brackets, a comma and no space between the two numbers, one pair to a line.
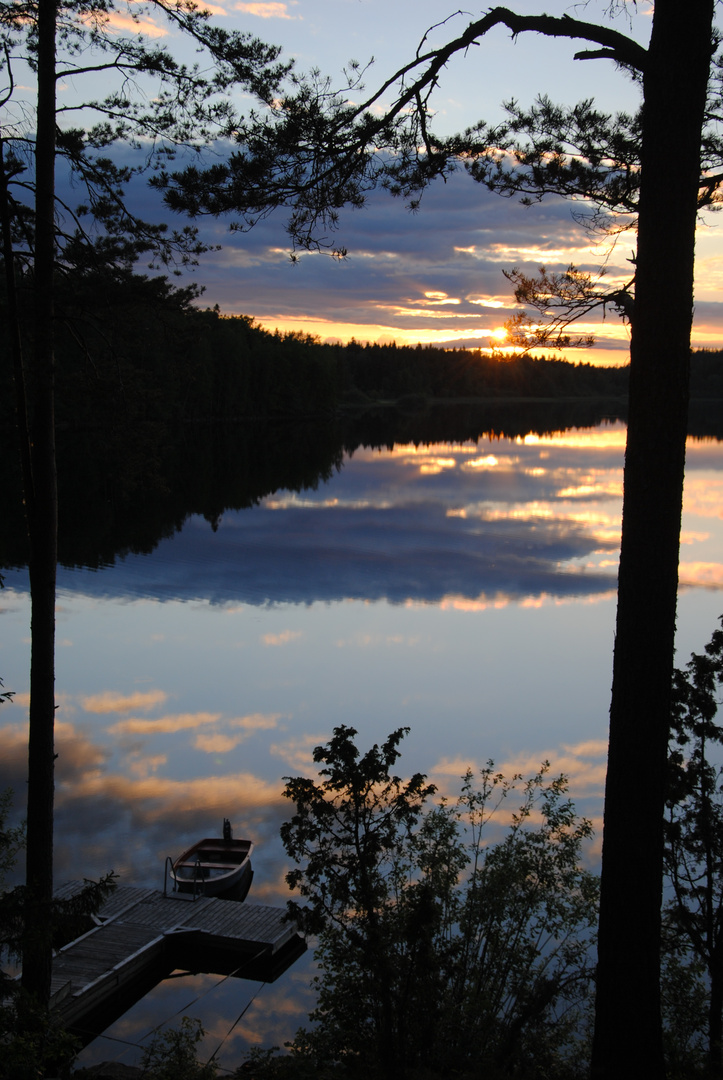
[628,1030]
[13,327]
[42,527]
[706,826]
[715,1021]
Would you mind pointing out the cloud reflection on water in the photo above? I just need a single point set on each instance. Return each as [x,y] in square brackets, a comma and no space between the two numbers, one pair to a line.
[465,590]
[513,518]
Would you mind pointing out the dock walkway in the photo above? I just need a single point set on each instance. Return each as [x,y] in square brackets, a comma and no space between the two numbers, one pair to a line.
[142,936]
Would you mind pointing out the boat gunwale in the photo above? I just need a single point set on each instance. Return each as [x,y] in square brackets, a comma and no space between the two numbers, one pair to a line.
[192,859]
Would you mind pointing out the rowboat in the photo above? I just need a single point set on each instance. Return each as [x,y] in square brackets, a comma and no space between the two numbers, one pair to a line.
[215,867]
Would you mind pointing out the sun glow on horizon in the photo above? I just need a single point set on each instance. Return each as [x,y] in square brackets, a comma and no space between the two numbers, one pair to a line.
[472,337]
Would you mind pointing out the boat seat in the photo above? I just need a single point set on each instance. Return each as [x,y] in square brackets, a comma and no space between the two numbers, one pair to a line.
[203,865]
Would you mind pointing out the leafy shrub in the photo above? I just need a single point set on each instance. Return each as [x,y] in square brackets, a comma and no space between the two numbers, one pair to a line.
[441,951]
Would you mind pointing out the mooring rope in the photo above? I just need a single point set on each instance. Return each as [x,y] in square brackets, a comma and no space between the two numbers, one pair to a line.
[236,1021]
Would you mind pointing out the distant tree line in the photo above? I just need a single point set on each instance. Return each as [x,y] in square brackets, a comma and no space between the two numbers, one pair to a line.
[136,349]
[131,348]
[394,371]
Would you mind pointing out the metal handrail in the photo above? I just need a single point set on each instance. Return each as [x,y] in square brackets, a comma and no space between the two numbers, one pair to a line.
[199,887]
[198,878]
[168,863]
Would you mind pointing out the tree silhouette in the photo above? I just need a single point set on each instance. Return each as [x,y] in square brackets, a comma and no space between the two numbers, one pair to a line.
[694,831]
[451,933]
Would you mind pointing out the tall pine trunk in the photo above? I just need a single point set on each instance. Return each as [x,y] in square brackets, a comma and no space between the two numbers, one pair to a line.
[715,1022]
[42,506]
[628,1030]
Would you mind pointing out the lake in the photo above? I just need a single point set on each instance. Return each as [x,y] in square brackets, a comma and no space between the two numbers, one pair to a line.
[463,589]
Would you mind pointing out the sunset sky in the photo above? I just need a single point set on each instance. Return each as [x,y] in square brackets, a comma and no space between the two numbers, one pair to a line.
[435,276]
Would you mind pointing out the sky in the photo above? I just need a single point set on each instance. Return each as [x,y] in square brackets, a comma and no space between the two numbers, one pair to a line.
[435,276]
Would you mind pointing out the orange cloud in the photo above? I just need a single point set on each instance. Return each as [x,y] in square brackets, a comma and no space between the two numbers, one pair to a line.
[482,603]
[268,10]
[703,496]
[584,766]
[703,574]
[218,743]
[164,725]
[433,465]
[126,24]
[482,463]
[76,755]
[111,702]
[146,766]
[161,797]
[283,638]
[23,700]
[298,753]
[613,437]
[583,763]
[455,767]
[257,721]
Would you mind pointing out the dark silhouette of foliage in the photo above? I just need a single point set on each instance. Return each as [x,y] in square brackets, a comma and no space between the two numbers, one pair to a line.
[171,1054]
[694,840]
[447,943]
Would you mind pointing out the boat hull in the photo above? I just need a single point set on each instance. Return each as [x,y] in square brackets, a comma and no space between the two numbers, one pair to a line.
[214,867]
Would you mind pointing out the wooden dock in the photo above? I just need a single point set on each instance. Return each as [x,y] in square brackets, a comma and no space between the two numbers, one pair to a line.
[142,936]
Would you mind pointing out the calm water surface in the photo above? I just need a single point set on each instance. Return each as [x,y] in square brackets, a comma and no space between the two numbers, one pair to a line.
[466,591]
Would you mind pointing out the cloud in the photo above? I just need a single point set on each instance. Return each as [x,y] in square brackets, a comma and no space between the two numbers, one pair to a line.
[445,261]
[217,743]
[143,766]
[126,815]
[411,551]
[455,767]
[163,725]
[584,764]
[451,253]
[284,638]
[298,752]
[112,702]
[158,797]
[257,721]
[77,756]
[126,24]
[266,10]
[707,575]
[704,496]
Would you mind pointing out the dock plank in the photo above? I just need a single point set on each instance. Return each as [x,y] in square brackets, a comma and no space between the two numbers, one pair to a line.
[143,935]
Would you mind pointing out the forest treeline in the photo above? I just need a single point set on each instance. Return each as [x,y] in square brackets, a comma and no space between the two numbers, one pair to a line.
[133,348]
[150,387]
